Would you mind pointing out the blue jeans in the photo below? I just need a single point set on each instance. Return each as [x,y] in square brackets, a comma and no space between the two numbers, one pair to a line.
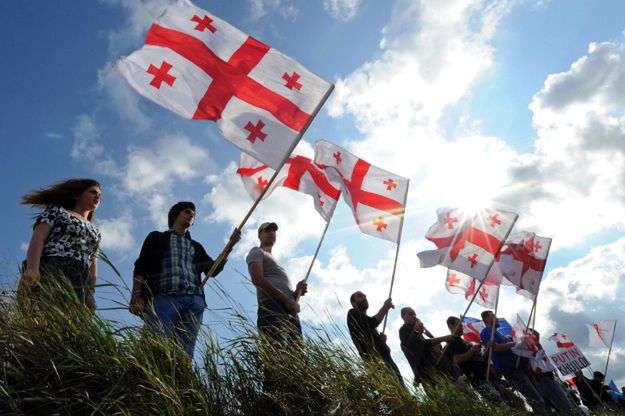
[179,317]
[552,392]
[524,383]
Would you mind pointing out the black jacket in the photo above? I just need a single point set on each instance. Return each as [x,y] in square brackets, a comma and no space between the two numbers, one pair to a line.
[148,265]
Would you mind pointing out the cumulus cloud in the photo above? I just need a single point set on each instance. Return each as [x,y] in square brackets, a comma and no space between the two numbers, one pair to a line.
[87,147]
[116,233]
[342,9]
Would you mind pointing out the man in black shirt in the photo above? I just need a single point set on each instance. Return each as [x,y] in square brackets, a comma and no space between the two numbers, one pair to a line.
[467,357]
[422,354]
[362,329]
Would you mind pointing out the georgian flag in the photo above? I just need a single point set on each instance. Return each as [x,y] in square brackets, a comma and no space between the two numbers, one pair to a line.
[601,334]
[562,340]
[467,243]
[202,68]
[527,345]
[298,173]
[522,261]
[460,283]
[377,197]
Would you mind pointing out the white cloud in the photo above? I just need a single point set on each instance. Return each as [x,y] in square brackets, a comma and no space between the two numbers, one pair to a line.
[116,233]
[260,8]
[342,9]
[86,146]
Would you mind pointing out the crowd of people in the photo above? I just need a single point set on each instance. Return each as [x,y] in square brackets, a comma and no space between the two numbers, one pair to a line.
[167,292]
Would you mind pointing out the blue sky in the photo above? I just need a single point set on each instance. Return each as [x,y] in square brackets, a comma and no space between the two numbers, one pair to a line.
[516,104]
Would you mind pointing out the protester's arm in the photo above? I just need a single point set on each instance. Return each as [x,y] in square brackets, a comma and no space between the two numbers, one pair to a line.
[464,357]
[258,279]
[438,340]
[388,304]
[146,256]
[33,255]
[497,347]
[93,276]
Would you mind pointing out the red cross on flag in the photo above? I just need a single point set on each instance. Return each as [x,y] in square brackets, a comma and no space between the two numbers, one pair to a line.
[298,173]
[522,261]
[202,68]
[467,243]
[562,340]
[601,334]
[377,197]
[460,283]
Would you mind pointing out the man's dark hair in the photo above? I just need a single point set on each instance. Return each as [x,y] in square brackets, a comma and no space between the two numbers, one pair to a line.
[403,311]
[175,210]
[485,313]
[452,320]
[597,374]
[352,298]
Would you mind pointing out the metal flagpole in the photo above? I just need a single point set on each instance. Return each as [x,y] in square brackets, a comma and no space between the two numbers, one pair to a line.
[314,258]
[401,229]
[605,373]
[229,245]
[492,337]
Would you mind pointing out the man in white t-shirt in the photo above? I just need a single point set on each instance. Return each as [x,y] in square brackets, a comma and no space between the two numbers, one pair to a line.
[277,308]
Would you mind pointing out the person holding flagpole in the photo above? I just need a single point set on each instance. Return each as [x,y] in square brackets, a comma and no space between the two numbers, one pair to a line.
[504,361]
[371,344]
[277,307]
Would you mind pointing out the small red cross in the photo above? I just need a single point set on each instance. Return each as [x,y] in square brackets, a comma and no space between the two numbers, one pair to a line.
[473,260]
[262,182]
[537,247]
[320,200]
[484,294]
[337,156]
[452,279]
[390,184]
[380,224]
[291,81]
[161,75]
[203,23]
[255,131]
[494,221]
[449,220]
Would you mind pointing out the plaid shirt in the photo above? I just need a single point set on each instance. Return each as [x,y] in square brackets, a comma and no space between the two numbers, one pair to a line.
[179,275]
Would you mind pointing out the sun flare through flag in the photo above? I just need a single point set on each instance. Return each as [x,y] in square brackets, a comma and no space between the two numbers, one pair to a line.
[202,68]
[298,173]
[467,242]
[377,197]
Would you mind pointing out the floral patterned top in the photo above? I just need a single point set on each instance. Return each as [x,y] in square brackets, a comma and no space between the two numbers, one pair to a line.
[70,236]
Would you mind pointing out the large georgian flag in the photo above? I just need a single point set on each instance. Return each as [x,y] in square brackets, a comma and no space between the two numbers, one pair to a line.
[377,197]
[601,334]
[522,261]
[202,68]
[460,283]
[467,243]
[298,173]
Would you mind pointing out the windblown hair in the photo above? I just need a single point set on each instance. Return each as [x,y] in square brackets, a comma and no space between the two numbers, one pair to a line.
[62,194]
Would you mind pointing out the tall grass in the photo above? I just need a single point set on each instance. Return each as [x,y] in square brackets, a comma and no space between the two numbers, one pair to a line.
[58,358]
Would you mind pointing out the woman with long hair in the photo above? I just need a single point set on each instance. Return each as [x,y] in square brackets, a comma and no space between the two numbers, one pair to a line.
[65,242]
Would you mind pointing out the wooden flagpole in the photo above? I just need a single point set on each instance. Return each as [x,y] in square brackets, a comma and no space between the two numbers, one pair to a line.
[401,229]
[229,245]
[298,295]
[492,338]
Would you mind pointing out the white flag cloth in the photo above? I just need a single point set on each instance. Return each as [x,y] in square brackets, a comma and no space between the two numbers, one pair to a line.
[460,283]
[522,261]
[601,333]
[298,173]
[467,243]
[377,197]
[562,340]
[528,346]
[202,68]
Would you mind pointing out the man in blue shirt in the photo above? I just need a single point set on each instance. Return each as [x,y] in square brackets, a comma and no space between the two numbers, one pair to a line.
[505,360]
[167,276]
